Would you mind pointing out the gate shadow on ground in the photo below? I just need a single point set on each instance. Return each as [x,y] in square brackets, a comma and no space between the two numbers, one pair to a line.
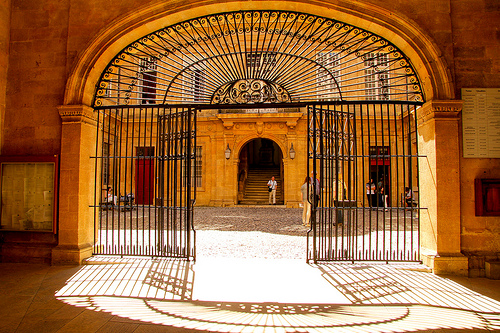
[382,298]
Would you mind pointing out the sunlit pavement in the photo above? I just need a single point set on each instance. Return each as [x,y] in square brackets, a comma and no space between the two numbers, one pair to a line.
[241,295]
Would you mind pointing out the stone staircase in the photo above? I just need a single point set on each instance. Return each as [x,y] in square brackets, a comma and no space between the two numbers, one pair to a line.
[256,192]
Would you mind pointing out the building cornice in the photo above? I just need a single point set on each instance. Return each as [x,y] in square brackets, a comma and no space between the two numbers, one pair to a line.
[289,118]
[439,109]
[77,114]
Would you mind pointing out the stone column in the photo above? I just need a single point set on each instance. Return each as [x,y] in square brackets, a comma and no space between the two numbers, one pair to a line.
[76,192]
[438,141]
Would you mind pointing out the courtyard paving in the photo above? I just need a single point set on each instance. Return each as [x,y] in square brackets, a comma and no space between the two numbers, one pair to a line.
[250,275]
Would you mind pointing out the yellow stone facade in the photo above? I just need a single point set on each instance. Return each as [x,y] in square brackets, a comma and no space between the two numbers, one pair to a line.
[55,55]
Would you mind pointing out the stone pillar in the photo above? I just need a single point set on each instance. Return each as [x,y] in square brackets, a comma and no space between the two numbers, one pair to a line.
[438,141]
[76,192]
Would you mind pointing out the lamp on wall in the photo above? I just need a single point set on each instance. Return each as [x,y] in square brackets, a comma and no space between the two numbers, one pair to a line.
[292,152]
[227,152]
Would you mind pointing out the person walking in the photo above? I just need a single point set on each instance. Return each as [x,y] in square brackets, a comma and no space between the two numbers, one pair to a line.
[306,205]
[272,185]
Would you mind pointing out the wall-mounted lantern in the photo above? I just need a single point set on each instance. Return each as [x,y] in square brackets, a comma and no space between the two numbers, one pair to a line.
[292,152]
[227,152]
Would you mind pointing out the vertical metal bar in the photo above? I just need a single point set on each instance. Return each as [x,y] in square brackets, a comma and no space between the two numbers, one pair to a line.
[152,171]
[122,244]
[353,181]
[125,180]
[191,204]
[314,208]
[322,223]
[410,176]
[168,197]
[397,173]
[359,155]
[96,218]
[417,253]
[115,164]
[308,159]
[405,181]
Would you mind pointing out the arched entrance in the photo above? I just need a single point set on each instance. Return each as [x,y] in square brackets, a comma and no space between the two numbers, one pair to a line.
[259,160]
[354,90]
[439,74]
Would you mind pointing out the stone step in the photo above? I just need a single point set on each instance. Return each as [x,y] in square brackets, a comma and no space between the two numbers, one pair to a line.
[256,192]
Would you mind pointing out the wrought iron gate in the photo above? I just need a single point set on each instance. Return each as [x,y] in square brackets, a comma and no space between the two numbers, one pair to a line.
[354,149]
[154,220]
[361,94]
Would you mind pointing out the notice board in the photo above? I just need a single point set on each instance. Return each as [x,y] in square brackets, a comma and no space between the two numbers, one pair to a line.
[481,122]
[28,193]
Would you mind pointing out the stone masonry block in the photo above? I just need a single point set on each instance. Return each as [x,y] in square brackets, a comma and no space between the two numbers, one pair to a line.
[493,269]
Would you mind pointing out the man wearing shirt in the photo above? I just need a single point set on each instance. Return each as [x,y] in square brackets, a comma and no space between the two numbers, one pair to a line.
[272,184]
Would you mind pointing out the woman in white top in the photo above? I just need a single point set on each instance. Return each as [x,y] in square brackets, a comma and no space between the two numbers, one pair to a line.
[306,211]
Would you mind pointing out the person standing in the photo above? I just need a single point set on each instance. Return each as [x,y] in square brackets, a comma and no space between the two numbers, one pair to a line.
[272,185]
[409,199]
[110,198]
[306,212]
[317,188]
[370,193]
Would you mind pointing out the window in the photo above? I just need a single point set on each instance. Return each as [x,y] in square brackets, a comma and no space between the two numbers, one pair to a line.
[143,152]
[196,169]
[109,88]
[379,152]
[148,70]
[326,87]
[105,163]
[260,63]
[376,76]
[195,79]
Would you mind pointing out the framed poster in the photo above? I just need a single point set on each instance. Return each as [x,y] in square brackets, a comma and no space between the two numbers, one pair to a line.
[481,122]
[28,193]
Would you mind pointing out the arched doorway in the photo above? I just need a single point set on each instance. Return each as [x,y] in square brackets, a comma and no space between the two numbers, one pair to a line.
[259,160]
[334,73]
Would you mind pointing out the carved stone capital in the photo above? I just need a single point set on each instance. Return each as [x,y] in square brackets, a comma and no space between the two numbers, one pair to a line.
[77,114]
[228,124]
[291,124]
[439,110]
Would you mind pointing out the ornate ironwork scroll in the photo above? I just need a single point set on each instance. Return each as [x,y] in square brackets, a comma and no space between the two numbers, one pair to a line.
[250,92]
[288,57]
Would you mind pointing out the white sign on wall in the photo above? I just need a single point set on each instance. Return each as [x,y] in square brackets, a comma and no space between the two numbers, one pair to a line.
[481,122]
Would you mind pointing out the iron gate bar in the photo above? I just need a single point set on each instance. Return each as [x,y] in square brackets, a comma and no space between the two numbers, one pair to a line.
[332,237]
[116,231]
[200,106]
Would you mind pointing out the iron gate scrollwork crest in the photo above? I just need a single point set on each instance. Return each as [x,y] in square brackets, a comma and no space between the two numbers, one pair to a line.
[251,91]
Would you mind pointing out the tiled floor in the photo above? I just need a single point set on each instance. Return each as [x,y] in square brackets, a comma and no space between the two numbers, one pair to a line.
[241,295]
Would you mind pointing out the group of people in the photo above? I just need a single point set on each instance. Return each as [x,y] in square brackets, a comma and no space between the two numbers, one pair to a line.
[310,187]
[376,194]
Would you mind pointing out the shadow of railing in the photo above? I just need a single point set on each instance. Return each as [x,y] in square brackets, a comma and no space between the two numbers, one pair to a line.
[163,278]
[403,284]
[396,298]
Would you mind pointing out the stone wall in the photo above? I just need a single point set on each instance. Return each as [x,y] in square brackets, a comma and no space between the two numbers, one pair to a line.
[47,39]
[4,57]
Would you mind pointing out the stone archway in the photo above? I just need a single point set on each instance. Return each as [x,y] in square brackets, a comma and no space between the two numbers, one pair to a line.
[259,160]
[76,234]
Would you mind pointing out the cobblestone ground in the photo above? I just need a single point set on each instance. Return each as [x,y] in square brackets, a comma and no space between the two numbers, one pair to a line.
[270,232]
[250,232]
